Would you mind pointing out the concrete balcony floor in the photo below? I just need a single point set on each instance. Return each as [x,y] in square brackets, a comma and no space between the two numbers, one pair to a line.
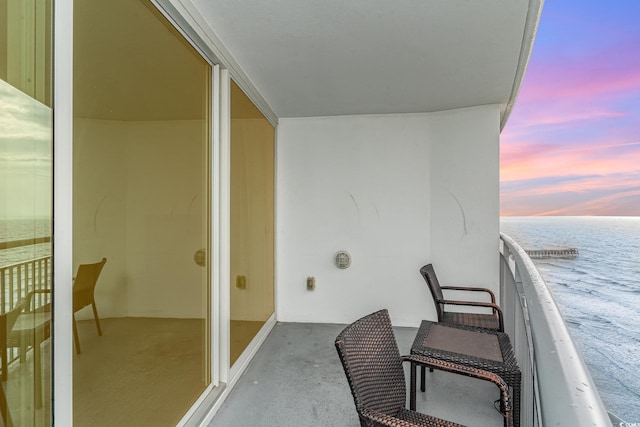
[296,379]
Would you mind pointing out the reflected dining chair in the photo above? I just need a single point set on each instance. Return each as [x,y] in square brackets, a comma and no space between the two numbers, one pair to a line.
[493,321]
[7,320]
[31,328]
[373,366]
[84,285]
[28,324]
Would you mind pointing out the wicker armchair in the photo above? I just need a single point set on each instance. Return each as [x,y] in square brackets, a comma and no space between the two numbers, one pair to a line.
[372,363]
[492,321]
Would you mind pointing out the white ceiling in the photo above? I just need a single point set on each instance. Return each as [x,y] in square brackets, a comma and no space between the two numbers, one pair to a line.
[340,57]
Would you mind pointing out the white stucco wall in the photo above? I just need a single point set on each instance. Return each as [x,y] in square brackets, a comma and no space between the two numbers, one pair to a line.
[99,210]
[465,183]
[374,186]
[396,191]
[137,203]
[165,224]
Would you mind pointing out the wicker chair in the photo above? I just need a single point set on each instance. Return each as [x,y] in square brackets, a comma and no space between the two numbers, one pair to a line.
[493,321]
[372,363]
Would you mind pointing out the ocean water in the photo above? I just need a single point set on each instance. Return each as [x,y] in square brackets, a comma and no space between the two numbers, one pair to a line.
[598,294]
[18,229]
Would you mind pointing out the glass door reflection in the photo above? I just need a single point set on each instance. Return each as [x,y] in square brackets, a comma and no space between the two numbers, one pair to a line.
[141,202]
[252,221]
[25,212]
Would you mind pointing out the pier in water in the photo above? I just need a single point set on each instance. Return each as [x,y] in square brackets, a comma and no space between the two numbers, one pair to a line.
[552,253]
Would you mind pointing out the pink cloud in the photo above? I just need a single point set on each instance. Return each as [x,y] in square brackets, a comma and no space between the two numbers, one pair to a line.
[527,162]
[572,145]
[575,84]
[590,184]
[625,203]
[570,90]
[599,74]
[565,113]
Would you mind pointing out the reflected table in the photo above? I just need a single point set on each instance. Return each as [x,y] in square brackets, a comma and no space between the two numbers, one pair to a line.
[31,329]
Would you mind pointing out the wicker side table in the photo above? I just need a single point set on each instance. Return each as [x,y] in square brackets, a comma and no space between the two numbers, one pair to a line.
[488,350]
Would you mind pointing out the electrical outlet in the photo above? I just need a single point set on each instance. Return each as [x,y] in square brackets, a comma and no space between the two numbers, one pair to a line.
[311,283]
[241,282]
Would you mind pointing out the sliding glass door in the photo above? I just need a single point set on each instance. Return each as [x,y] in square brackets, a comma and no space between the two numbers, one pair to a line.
[252,221]
[141,203]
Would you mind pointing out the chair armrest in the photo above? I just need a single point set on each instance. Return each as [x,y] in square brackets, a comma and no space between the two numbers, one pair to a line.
[496,310]
[505,398]
[380,419]
[471,289]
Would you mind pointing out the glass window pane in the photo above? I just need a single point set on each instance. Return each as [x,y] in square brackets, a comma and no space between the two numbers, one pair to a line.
[141,144]
[25,212]
[252,221]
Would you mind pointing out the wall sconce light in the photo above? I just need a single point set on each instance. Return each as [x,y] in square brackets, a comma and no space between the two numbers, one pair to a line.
[342,259]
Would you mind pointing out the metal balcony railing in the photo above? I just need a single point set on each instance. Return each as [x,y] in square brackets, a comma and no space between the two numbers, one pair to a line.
[557,388]
[19,278]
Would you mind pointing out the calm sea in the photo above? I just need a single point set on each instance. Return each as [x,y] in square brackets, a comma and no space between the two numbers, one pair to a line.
[18,229]
[598,294]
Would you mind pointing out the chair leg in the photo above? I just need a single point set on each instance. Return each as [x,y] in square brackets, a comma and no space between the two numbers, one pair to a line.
[515,411]
[76,340]
[23,350]
[4,408]
[5,358]
[412,387]
[95,316]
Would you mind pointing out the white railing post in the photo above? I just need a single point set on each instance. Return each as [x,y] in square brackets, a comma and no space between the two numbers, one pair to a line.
[18,279]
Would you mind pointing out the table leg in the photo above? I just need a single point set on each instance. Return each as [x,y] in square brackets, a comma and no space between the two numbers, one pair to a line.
[515,407]
[37,367]
[423,379]
[412,388]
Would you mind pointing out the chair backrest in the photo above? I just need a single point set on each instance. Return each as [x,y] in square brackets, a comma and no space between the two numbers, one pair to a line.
[372,363]
[85,283]
[429,275]
[8,319]
[38,301]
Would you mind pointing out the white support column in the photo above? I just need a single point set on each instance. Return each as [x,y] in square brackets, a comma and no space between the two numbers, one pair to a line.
[224,164]
[214,256]
[62,212]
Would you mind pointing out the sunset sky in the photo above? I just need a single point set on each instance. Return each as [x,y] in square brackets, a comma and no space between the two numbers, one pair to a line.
[572,143]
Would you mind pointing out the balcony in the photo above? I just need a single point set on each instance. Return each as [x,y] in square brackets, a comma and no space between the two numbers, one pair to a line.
[296,379]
